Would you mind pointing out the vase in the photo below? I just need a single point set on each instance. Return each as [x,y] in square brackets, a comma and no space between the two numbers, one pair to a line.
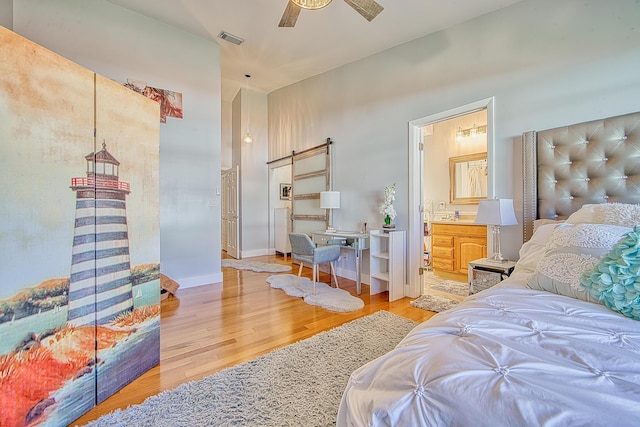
[387,222]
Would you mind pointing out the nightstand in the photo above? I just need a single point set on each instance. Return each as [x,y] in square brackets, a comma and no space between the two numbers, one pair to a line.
[485,273]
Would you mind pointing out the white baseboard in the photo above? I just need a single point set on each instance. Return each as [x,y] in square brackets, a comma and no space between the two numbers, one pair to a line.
[192,282]
[255,252]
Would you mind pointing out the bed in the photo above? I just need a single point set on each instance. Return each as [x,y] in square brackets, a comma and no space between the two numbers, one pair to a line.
[558,342]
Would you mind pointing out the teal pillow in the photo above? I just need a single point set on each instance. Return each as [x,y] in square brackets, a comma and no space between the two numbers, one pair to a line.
[615,279]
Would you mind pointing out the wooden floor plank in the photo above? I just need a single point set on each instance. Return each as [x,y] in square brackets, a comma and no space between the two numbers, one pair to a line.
[209,328]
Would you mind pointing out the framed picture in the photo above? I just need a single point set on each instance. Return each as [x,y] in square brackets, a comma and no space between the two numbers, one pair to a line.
[285,191]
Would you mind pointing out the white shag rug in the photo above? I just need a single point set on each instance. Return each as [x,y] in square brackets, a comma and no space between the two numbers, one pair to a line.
[439,301]
[434,303]
[333,299]
[298,385]
[257,266]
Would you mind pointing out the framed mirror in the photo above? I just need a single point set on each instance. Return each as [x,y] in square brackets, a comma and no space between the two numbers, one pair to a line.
[468,179]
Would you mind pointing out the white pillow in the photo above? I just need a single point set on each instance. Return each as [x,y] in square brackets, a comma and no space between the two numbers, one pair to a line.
[533,249]
[624,214]
[571,250]
[537,223]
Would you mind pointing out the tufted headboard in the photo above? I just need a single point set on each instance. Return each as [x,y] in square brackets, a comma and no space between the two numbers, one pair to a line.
[591,162]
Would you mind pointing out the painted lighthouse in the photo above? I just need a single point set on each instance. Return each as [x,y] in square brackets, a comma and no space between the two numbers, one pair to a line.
[100,287]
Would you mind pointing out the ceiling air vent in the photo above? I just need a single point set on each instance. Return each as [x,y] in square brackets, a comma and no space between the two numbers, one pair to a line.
[230,37]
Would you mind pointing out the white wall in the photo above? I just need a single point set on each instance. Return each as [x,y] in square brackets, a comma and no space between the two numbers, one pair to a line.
[6,13]
[120,44]
[250,112]
[547,63]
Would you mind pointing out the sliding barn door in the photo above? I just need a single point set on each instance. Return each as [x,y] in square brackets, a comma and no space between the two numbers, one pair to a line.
[311,174]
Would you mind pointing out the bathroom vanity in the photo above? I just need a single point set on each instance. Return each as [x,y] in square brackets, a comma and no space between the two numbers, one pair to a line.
[454,244]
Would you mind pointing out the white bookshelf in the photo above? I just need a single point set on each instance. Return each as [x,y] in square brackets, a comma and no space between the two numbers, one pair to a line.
[387,262]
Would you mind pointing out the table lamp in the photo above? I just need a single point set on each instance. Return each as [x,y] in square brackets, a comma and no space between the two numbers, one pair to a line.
[496,213]
[330,200]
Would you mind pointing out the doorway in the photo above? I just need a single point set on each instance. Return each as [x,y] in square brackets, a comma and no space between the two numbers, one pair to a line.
[453,126]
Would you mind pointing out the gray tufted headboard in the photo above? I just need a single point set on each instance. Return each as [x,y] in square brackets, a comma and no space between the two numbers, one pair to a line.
[591,162]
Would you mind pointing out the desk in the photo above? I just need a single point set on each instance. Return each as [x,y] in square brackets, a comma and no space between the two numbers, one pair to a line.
[350,240]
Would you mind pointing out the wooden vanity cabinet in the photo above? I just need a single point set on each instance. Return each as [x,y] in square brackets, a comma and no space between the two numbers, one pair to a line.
[454,245]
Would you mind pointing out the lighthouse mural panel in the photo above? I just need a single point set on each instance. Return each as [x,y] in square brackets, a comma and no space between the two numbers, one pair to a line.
[100,284]
[80,246]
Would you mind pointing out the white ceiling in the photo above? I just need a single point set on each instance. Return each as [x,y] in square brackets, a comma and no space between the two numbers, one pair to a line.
[321,40]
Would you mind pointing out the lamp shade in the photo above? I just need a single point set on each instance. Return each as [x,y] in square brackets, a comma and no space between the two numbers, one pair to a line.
[329,199]
[496,212]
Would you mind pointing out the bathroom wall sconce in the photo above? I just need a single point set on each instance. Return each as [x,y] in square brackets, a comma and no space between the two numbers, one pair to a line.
[471,132]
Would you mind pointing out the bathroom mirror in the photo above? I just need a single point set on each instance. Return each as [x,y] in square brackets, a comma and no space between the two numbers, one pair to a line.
[468,179]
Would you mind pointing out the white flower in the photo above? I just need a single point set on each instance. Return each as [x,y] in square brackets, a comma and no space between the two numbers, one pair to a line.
[389,196]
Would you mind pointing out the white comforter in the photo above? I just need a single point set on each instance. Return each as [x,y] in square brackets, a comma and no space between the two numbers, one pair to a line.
[508,356]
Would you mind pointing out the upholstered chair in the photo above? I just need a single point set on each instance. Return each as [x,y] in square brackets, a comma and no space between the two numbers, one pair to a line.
[304,250]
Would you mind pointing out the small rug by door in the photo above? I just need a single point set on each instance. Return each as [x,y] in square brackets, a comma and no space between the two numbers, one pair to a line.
[442,296]
[298,385]
[434,303]
[258,266]
[326,297]
[452,287]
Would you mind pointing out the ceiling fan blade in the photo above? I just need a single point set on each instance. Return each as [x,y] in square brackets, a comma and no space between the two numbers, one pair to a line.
[290,15]
[367,8]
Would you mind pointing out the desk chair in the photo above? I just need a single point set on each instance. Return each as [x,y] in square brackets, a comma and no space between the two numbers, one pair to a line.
[304,250]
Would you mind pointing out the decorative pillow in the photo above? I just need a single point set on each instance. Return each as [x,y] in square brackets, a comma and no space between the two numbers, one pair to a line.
[615,279]
[537,223]
[624,214]
[571,250]
[533,249]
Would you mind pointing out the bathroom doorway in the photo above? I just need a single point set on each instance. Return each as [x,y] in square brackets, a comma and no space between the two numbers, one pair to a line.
[453,133]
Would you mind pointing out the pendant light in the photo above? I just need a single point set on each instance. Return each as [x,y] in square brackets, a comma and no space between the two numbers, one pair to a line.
[248,138]
[311,4]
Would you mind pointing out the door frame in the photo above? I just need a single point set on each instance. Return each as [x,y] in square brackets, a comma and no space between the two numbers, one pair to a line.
[416,173]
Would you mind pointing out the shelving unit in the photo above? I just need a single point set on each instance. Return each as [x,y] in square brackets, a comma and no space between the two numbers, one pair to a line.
[387,262]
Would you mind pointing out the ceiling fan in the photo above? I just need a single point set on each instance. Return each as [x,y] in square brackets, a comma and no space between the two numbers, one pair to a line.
[369,9]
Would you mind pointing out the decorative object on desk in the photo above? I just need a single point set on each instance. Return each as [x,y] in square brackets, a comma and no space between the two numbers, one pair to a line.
[386,208]
[279,388]
[257,266]
[285,191]
[333,299]
[496,213]
[330,200]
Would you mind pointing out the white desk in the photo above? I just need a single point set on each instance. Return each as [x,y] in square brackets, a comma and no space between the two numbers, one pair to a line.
[350,240]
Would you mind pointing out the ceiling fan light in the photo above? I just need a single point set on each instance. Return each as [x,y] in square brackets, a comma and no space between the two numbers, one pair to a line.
[311,4]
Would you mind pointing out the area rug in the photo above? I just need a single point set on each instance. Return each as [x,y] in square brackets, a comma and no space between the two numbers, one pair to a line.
[452,287]
[333,299]
[258,266]
[438,301]
[434,303]
[298,385]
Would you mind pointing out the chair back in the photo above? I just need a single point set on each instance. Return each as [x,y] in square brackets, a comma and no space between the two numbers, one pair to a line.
[301,244]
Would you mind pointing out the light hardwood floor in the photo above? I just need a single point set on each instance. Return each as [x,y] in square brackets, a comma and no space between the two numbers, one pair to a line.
[211,327]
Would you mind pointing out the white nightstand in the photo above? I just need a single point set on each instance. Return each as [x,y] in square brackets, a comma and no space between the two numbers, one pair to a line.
[485,273]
